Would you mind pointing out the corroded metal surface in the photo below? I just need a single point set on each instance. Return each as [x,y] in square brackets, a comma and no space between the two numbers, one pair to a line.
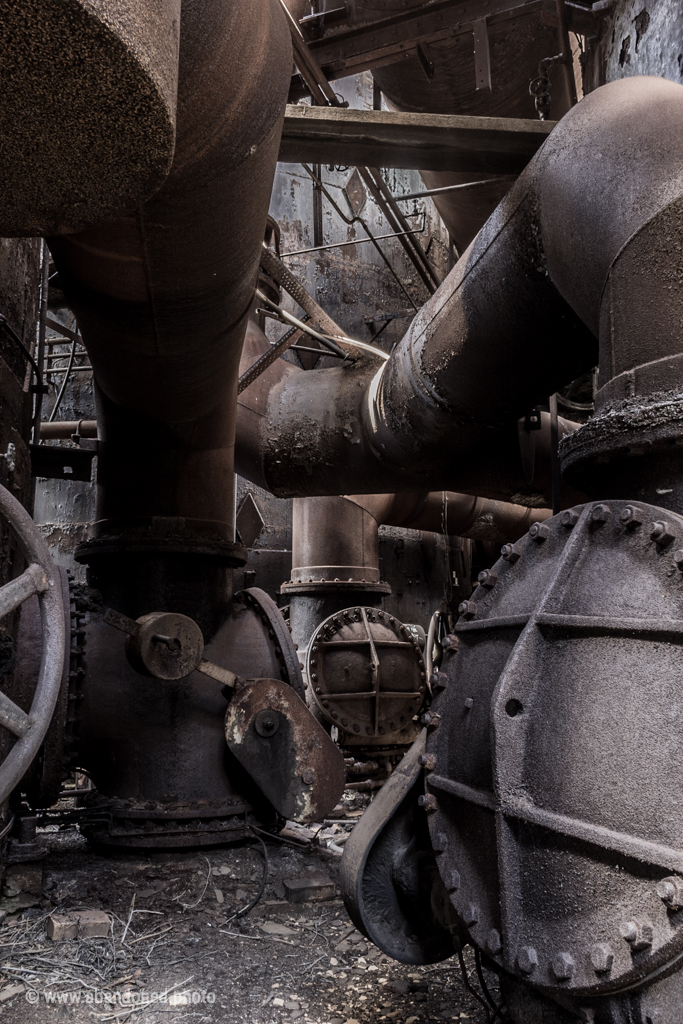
[156,748]
[366,674]
[285,750]
[551,778]
[101,105]
[30,727]
[387,871]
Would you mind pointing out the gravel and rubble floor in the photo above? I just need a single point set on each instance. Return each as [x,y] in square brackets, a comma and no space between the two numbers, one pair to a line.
[174,933]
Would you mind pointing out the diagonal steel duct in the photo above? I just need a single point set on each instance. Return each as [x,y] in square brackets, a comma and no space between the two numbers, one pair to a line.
[517,318]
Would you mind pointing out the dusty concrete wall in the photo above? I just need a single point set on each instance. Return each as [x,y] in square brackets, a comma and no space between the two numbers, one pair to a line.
[639,37]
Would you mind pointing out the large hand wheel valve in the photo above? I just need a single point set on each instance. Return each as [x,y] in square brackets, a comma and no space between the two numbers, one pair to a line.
[40,578]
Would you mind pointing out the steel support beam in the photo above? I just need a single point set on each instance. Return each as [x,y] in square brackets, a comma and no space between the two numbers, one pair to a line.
[434,142]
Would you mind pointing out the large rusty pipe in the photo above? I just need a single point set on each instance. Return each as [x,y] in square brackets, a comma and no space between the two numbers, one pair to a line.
[336,538]
[457,515]
[88,112]
[517,318]
[493,469]
[167,290]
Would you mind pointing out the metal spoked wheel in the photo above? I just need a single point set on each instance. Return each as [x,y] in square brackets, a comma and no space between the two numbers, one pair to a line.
[40,578]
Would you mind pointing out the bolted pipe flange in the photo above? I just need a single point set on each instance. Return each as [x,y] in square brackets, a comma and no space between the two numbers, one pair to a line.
[601,957]
[439,842]
[438,681]
[452,880]
[563,966]
[527,959]
[430,719]
[511,553]
[631,516]
[601,513]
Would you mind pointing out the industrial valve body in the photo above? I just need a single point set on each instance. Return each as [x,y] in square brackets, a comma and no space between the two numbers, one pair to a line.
[551,775]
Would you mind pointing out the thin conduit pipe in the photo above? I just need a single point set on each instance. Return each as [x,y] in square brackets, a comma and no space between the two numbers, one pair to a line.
[284,277]
[327,341]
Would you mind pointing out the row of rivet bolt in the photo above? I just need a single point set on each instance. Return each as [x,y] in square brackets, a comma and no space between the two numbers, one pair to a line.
[662,532]
[638,932]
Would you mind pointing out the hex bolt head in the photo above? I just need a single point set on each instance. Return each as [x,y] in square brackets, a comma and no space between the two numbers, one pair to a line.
[266,722]
[631,516]
[511,553]
[527,959]
[450,643]
[430,719]
[563,966]
[428,802]
[439,681]
[452,880]
[601,957]
[539,532]
[638,933]
[569,518]
[439,842]
[471,915]
[427,761]
[469,703]
[468,609]
[488,578]
[662,532]
[493,942]
[670,892]
[601,513]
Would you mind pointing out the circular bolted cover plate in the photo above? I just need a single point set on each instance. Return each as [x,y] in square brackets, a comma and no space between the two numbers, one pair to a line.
[556,771]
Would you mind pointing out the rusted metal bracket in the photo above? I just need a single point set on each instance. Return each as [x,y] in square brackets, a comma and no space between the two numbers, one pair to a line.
[56,462]
[285,750]
[346,51]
